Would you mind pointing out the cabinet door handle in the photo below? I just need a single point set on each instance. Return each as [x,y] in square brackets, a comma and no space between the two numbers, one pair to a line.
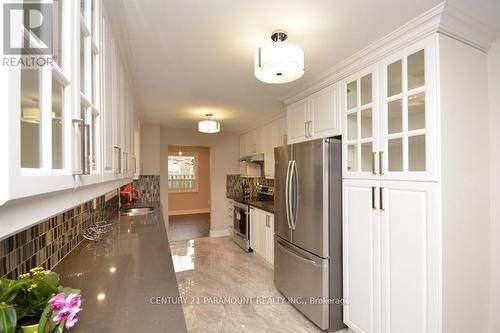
[305,129]
[374,156]
[118,170]
[381,194]
[373,198]
[78,124]
[87,149]
[381,163]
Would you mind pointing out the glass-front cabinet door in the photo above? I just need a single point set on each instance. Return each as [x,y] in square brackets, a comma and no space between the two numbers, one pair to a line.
[360,124]
[408,114]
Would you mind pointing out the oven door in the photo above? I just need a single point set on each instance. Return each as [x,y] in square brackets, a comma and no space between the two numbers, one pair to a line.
[240,221]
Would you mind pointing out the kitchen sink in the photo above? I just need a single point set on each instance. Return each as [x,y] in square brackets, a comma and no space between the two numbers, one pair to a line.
[137,211]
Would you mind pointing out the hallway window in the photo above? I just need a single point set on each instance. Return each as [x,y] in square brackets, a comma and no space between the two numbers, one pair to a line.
[182,172]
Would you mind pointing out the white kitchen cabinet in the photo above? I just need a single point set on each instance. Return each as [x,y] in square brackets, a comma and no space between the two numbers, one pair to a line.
[246,145]
[262,233]
[360,118]
[263,140]
[269,235]
[361,257]
[389,125]
[409,257]
[109,117]
[324,112]
[315,117]
[391,256]
[66,120]
[254,229]
[421,140]
[271,133]
[408,116]
[297,118]
[274,136]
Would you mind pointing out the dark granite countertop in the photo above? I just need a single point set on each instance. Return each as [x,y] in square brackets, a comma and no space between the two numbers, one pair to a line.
[268,206]
[123,275]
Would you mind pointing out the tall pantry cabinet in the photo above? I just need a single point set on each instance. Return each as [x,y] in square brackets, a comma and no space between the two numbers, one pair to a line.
[404,157]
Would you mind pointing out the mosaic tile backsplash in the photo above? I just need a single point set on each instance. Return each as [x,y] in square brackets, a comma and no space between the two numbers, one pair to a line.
[234,185]
[46,243]
[148,188]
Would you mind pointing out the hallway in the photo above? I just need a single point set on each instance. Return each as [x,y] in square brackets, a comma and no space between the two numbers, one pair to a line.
[190,226]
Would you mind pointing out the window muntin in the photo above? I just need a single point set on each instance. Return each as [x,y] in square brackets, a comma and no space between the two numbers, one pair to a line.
[183,172]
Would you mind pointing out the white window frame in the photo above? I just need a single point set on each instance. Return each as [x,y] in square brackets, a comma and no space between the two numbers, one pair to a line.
[196,173]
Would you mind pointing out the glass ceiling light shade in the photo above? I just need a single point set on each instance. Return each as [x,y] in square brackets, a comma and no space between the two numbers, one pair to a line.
[209,125]
[279,62]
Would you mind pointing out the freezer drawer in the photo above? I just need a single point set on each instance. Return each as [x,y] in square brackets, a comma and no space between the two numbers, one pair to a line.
[302,275]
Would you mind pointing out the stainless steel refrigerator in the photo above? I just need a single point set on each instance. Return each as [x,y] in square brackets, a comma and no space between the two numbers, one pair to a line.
[308,229]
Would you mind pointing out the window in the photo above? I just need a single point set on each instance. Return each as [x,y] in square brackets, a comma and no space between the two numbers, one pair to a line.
[183,172]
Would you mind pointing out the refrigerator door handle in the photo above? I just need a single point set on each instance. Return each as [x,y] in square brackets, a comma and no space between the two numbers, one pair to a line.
[294,204]
[294,252]
[287,195]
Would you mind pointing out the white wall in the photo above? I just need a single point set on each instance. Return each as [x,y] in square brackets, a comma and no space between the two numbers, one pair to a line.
[224,154]
[150,149]
[494,99]
[465,187]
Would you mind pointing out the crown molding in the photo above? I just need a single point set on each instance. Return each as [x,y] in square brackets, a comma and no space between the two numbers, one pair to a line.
[442,18]
[264,122]
[459,25]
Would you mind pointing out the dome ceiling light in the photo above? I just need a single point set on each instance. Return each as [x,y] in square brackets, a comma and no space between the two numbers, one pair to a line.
[279,62]
[209,125]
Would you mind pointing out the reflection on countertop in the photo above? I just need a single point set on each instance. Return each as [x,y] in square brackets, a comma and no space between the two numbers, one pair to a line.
[123,276]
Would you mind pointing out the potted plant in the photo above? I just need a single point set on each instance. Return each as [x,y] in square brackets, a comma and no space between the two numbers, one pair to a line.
[41,305]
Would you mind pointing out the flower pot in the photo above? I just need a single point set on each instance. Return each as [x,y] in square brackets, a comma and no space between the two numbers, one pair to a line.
[29,328]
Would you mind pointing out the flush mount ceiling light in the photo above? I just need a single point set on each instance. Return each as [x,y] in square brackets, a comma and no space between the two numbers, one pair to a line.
[209,125]
[279,62]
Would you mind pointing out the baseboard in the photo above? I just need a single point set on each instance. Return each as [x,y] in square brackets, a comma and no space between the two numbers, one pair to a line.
[219,233]
[189,211]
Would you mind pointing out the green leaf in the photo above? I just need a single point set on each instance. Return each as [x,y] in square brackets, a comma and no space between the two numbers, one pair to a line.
[10,288]
[8,319]
[45,320]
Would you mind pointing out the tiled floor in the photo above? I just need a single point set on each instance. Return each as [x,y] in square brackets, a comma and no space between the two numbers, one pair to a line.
[185,227]
[215,270]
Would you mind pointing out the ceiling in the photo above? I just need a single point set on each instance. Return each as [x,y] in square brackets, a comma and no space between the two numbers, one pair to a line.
[190,57]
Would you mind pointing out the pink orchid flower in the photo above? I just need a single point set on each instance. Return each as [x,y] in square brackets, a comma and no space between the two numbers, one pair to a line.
[72,319]
[73,301]
[57,302]
[66,309]
[63,315]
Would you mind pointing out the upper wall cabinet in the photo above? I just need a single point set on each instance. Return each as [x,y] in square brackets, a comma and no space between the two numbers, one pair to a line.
[389,117]
[263,140]
[360,123]
[59,130]
[408,114]
[317,116]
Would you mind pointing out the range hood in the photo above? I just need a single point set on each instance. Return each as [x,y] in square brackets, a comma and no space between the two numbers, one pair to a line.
[257,158]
